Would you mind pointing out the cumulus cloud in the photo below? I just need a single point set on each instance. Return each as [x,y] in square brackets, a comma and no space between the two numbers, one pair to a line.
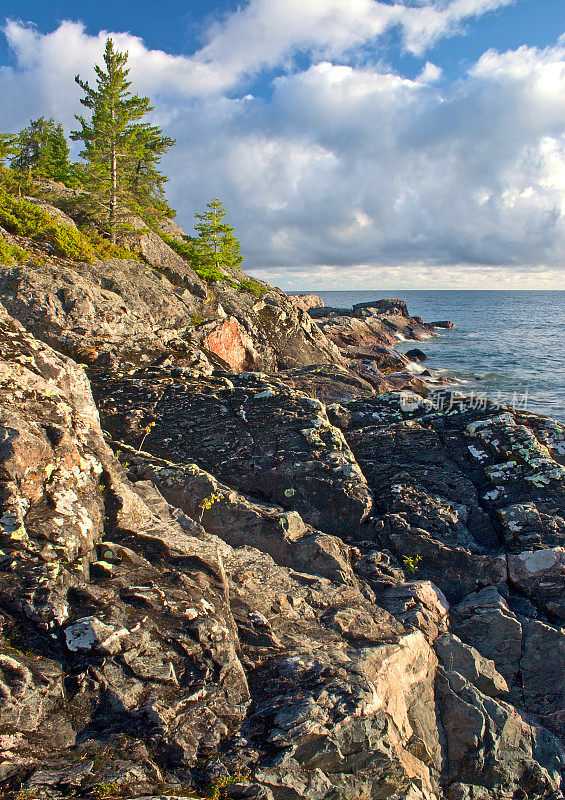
[343,168]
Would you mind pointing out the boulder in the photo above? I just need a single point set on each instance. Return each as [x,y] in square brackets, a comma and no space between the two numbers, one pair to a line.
[384,307]
[416,355]
[306,301]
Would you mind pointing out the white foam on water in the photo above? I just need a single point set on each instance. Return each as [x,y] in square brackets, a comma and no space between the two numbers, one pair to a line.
[414,368]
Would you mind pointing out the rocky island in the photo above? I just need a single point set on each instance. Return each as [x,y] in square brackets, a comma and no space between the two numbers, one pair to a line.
[234,564]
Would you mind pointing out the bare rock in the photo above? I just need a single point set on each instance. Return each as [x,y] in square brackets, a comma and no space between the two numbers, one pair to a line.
[484,620]
[416,355]
[468,662]
[263,439]
[419,605]
[492,745]
[227,340]
[542,669]
[525,527]
[306,301]
[541,574]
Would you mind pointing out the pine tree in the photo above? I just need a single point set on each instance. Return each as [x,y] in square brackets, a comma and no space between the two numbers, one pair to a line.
[146,182]
[42,150]
[216,246]
[7,147]
[55,160]
[121,152]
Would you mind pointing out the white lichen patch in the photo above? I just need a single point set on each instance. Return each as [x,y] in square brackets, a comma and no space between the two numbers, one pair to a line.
[88,632]
[480,455]
[264,394]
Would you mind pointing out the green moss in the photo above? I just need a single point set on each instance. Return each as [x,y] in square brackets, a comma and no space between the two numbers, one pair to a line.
[221,783]
[107,789]
[197,319]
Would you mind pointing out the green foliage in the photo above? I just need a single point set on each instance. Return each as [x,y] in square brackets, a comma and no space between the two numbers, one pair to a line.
[17,183]
[254,287]
[25,794]
[197,319]
[12,254]
[104,249]
[215,246]
[121,153]
[411,563]
[7,146]
[209,274]
[207,502]
[187,249]
[26,219]
[42,150]
[107,789]
[146,182]
[216,788]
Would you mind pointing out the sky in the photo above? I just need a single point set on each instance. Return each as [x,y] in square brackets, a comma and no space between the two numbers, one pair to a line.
[356,144]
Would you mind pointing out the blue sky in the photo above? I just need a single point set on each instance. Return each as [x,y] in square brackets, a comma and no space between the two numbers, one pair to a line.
[405,143]
[180,27]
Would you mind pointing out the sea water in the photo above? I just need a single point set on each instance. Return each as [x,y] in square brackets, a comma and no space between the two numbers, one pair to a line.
[507,345]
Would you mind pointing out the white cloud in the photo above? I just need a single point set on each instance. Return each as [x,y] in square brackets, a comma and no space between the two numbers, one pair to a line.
[344,168]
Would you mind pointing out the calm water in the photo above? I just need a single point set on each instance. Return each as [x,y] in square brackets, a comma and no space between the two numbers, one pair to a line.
[504,342]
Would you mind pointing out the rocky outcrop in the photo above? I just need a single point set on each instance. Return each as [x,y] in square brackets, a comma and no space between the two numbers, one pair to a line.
[141,651]
[237,590]
[493,744]
[120,314]
[306,301]
[258,436]
[225,636]
[366,336]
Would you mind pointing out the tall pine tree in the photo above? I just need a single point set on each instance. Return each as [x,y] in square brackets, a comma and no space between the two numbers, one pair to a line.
[121,152]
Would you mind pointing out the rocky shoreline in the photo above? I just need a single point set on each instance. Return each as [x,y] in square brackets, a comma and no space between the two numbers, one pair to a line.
[234,564]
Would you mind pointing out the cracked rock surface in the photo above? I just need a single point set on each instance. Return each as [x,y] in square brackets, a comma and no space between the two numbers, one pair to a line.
[239,589]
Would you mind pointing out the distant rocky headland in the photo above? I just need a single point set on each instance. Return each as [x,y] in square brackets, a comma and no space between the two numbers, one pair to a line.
[233,563]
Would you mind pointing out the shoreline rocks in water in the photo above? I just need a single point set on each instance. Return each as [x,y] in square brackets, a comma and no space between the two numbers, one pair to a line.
[233,562]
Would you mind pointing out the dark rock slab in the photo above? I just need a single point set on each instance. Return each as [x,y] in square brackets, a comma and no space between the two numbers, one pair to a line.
[264,439]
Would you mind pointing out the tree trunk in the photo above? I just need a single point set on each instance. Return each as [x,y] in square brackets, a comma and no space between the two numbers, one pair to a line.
[113,189]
